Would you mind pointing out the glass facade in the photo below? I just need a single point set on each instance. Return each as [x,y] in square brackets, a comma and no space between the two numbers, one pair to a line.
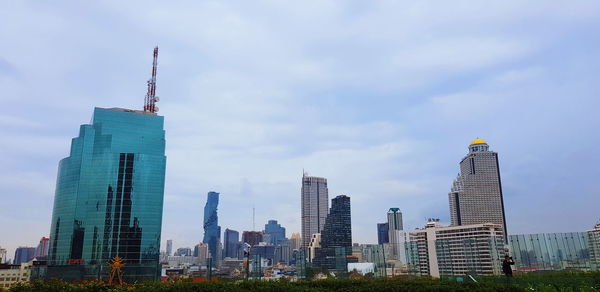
[109,198]
[232,243]
[336,237]
[551,251]
[276,231]
[383,235]
[212,230]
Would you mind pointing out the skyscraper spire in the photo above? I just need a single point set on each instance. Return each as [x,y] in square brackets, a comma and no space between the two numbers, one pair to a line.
[151,98]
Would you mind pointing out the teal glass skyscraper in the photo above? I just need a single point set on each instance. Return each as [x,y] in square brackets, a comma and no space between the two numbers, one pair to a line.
[109,198]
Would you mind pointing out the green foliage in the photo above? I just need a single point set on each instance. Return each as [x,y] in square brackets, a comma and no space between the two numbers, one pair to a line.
[563,282]
[420,284]
[558,281]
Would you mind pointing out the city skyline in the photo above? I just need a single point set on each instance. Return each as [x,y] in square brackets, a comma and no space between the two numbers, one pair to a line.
[249,101]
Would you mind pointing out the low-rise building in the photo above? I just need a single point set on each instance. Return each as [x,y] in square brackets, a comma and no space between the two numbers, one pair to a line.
[10,275]
[438,250]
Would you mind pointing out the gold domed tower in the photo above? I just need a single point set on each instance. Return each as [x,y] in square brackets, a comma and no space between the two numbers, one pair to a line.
[476,194]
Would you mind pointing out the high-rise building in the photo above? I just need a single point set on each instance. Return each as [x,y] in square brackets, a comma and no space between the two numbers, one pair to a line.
[232,243]
[42,249]
[295,241]
[337,231]
[336,237]
[23,254]
[212,230]
[315,201]
[3,253]
[109,198]
[276,232]
[252,237]
[394,217]
[476,194]
[383,235]
[170,247]
[439,251]
[183,252]
[201,252]
[594,246]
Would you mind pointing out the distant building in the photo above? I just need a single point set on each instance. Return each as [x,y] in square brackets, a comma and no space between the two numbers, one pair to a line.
[169,247]
[551,251]
[594,246]
[276,232]
[252,237]
[283,252]
[201,252]
[476,194]
[336,237]
[3,258]
[23,255]
[109,198]
[264,251]
[10,275]
[313,245]
[295,241]
[440,251]
[42,249]
[315,200]
[212,230]
[183,251]
[383,235]
[231,238]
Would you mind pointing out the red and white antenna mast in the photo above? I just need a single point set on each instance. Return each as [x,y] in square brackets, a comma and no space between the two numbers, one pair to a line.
[151,97]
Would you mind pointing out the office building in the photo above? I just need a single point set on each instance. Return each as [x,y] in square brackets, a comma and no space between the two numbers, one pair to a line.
[212,230]
[201,252]
[551,251]
[440,251]
[3,253]
[594,246]
[169,247]
[23,255]
[283,252]
[383,235]
[315,200]
[476,194]
[42,249]
[394,217]
[11,275]
[183,252]
[336,237]
[252,237]
[232,243]
[295,241]
[275,231]
[109,198]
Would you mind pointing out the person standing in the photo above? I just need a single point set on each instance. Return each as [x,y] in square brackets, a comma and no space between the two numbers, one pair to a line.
[506,266]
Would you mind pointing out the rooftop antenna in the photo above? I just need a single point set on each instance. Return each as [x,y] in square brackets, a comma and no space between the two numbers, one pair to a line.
[151,97]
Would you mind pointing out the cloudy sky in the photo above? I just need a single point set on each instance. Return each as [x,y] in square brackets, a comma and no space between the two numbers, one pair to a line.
[380,97]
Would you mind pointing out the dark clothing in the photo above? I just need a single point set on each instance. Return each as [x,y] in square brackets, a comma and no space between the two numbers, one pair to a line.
[506,269]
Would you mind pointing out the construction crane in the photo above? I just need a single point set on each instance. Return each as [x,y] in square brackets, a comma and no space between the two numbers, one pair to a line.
[151,98]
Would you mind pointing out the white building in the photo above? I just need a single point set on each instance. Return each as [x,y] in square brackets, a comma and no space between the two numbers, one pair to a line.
[13,274]
[456,250]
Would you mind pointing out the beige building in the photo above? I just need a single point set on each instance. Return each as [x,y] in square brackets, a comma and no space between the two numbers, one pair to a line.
[438,250]
[13,274]
[476,194]
[315,242]
[315,205]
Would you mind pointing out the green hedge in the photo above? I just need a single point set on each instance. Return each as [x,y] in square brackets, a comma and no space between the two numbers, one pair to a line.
[420,284]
